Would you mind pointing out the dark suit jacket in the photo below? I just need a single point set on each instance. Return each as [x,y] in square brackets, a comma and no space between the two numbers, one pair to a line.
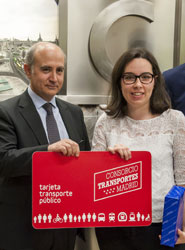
[175,82]
[21,134]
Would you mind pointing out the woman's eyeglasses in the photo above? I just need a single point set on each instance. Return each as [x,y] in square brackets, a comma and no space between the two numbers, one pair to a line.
[129,78]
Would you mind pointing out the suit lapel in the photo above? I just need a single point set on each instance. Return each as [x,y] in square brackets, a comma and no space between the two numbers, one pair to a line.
[31,116]
[68,120]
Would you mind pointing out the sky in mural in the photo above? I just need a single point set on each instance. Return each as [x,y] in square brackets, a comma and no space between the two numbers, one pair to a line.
[23,19]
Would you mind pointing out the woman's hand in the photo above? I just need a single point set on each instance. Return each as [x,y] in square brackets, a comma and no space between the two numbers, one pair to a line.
[181,239]
[122,150]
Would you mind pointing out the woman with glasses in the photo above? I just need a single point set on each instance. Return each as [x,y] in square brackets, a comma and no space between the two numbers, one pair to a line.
[139,118]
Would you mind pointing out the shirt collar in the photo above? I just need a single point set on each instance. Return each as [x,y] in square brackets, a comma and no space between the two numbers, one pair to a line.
[39,101]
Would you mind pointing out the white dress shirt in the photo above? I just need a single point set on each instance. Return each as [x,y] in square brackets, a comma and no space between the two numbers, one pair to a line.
[39,102]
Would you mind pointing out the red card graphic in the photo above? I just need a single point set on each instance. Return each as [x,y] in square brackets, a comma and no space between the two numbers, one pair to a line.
[97,189]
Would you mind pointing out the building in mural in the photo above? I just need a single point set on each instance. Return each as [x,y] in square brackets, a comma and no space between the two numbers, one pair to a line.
[22,26]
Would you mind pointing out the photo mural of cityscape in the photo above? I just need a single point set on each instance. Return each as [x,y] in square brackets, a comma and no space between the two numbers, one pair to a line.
[22,25]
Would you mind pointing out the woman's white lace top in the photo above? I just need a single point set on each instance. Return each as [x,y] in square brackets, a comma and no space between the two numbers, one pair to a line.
[163,136]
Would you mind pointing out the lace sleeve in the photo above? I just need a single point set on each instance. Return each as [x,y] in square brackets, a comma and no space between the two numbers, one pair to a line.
[99,137]
[179,150]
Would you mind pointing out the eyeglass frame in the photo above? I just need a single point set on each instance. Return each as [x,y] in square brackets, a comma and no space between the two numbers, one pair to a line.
[138,76]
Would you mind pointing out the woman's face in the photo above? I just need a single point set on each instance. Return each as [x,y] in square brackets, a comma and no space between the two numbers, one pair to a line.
[137,95]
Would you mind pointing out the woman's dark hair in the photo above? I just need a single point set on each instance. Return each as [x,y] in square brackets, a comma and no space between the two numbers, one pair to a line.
[159,101]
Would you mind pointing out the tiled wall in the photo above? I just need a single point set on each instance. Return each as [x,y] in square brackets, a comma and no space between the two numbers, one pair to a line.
[91,114]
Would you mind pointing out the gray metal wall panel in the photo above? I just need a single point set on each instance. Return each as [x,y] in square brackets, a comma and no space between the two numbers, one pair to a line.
[85,83]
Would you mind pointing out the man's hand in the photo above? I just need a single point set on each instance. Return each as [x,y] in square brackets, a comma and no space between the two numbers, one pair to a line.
[66,147]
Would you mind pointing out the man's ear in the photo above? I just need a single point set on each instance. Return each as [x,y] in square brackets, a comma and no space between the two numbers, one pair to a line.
[27,69]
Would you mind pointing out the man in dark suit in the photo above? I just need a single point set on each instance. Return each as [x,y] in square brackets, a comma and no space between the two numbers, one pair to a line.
[23,130]
[175,82]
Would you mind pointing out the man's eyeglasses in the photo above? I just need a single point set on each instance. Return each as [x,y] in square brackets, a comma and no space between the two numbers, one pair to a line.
[129,78]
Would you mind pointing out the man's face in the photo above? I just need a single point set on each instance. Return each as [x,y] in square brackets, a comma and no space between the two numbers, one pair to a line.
[47,73]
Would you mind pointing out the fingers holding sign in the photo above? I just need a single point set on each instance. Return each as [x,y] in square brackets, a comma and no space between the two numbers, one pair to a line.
[181,239]
[122,150]
[65,146]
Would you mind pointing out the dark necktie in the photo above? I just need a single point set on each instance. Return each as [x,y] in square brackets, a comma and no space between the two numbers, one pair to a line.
[53,133]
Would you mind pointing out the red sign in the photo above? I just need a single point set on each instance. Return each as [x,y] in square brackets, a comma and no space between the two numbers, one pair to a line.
[97,189]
